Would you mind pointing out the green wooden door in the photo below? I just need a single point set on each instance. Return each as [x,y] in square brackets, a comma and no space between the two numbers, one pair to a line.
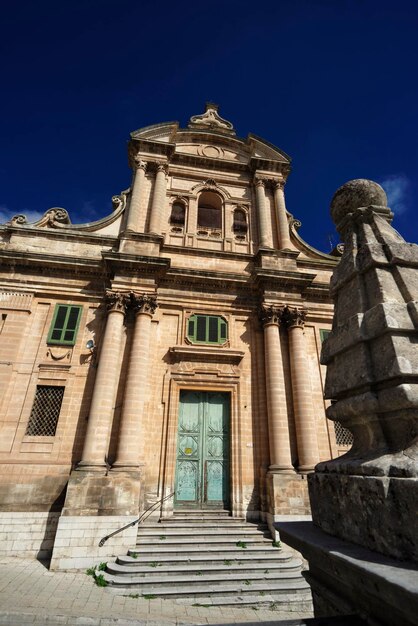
[202,469]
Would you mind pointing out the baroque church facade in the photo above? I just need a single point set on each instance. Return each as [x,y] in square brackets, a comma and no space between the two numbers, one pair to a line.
[167,354]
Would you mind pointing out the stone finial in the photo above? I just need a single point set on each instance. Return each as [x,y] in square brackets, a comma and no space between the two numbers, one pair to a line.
[357,198]
[211,119]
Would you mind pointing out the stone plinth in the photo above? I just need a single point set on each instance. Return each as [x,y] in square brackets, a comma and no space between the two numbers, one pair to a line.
[378,512]
[349,579]
[114,493]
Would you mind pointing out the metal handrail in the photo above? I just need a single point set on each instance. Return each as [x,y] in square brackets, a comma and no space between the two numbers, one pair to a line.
[140,519]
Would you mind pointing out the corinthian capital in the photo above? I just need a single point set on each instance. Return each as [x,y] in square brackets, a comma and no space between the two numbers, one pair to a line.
[143,303]
[278,184]
[293,317]
[139,163]
[162,167]
[259,182]
[116,301]
[270,314]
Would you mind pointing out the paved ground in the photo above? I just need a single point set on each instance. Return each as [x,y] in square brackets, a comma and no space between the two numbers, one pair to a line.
[30,594]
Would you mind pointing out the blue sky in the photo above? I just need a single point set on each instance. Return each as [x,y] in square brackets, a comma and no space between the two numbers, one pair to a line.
[333,83]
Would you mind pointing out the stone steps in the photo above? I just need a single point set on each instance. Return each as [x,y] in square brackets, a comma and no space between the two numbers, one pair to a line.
[209,558]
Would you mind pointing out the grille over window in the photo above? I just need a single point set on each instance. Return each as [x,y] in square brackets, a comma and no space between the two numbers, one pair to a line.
[45,411]
[343,436]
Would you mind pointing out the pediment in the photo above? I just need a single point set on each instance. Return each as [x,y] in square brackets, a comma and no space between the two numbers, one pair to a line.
[212,150]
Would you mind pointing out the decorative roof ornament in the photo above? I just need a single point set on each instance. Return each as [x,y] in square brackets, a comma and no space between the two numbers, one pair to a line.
[211,119]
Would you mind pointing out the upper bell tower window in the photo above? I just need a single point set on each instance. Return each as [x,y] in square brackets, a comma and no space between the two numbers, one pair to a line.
[178,214]
[209,211]
[240,221]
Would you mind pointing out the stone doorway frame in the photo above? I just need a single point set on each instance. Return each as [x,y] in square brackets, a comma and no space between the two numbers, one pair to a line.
[199,380]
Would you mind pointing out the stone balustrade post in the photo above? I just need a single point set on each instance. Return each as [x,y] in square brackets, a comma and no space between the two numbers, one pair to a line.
[102,403]
[282,221]
[264,221]
[278,426]
[130,452]
[305,423]
[158,199]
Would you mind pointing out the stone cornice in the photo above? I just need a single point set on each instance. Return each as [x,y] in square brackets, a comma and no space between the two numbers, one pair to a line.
[147,264]
[63,234]
[51,261]
[206,354]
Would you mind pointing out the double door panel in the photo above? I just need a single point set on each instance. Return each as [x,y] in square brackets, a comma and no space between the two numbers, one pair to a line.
[202,468]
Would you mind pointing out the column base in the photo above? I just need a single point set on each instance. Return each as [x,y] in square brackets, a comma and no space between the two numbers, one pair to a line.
[87,466]
[306,469]
[126,467]
[280,469]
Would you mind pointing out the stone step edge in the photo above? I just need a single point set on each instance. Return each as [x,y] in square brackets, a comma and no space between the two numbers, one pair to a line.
[203,578]
[131,568]
[302,602]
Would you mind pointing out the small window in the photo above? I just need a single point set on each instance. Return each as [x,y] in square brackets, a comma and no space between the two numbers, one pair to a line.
[178,214]
[45,411]
[210,329]
[65,324]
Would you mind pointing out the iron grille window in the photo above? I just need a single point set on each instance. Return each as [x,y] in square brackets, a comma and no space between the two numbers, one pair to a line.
[45,411]
[207,329]
[64,325]
[343,436]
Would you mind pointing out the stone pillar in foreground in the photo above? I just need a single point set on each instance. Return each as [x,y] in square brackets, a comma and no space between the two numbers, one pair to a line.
[264,221]
[136,196]
[282,221]
[158,199]
[132,438]
[372,374]
[280,456]
[102,403]
[305,422]
[363,545]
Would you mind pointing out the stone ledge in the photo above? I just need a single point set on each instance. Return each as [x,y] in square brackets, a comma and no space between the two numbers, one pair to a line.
[346,577]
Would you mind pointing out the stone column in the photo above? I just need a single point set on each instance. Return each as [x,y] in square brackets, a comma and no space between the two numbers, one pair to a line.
[282,221]
[302,392]
[280,457]
[136,196]
[102,403]
[264,222]
[158,199]
[131,432]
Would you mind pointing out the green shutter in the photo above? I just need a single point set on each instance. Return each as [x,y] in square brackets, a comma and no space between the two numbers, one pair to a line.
[65,324]
[207,329]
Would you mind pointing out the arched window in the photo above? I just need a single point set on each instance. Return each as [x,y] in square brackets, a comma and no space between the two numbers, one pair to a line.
[240,221]
[178,214]
[209,210]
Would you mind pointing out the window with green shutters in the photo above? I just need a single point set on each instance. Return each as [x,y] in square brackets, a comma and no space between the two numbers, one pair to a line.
[65,324]
[209,329]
